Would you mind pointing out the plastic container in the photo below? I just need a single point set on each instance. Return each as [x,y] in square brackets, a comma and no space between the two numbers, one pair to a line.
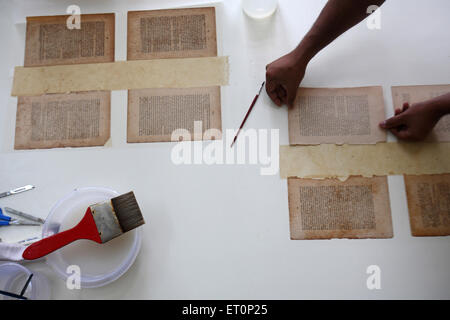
[259,9]
[13,278]
[99,264]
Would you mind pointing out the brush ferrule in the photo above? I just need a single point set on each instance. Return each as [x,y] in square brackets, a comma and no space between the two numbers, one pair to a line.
[105,218]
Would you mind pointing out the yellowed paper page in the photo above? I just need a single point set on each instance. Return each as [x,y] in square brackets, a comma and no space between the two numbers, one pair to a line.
[337,115]
[153,114]
[175,33]
[324,209]
[429,204]
[414,94]
[50,42]
[123,75]
[333,161]
[63,120]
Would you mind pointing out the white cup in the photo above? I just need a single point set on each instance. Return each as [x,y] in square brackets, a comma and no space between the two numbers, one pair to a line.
[259,9]
[13,277]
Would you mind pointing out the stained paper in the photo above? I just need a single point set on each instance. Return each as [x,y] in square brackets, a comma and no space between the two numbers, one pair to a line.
[121,75]
[334,161]
[358,208]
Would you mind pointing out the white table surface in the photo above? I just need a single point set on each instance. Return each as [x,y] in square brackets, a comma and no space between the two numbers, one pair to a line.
[222,232]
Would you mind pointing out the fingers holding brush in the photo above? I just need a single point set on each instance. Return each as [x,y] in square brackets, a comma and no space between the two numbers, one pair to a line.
[272,92]
[283,77]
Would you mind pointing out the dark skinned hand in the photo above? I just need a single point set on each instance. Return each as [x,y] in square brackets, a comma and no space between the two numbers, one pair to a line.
[283,76]
[412,122]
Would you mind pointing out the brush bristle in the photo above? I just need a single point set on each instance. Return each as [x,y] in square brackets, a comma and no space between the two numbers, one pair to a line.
[127,211]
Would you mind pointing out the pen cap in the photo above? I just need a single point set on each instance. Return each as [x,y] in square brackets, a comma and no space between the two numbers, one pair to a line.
[13,278]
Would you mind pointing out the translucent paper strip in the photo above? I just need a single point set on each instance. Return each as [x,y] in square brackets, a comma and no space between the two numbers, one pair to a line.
[121,75]
[382,159]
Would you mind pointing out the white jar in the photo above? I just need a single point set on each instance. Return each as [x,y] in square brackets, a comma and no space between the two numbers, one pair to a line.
[259,9]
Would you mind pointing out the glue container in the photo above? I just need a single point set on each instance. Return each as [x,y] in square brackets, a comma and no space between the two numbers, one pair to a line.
[259,9]
[94,264]
[13,278]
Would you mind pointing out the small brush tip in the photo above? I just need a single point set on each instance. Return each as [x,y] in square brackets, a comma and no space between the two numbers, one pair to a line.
[127,211]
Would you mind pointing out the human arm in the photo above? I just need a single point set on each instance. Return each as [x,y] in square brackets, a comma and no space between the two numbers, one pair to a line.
[283,76]
[414,122]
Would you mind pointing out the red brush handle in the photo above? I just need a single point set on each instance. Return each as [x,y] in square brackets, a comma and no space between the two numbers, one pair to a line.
[85,229]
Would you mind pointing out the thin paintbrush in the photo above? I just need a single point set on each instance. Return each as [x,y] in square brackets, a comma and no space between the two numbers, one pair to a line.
[102,222]
[248,113]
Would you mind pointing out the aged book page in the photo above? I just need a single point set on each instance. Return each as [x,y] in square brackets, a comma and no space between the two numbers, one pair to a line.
[174,33]
[429,204]
[325,209]
[153,114]
[414,94]
[341,115]
[78,119]
[63,120]
[381,159]
[50,42]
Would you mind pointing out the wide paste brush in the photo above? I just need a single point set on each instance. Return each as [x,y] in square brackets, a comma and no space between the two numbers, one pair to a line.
[102,222]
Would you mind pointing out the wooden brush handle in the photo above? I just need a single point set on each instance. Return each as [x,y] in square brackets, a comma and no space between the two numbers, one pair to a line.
[85,229]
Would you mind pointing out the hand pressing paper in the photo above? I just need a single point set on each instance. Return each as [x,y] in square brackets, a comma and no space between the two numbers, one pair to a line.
[337,116]
[414,96]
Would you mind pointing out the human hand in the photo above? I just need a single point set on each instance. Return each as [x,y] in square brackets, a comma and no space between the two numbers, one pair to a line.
[412,123]
[283,77]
